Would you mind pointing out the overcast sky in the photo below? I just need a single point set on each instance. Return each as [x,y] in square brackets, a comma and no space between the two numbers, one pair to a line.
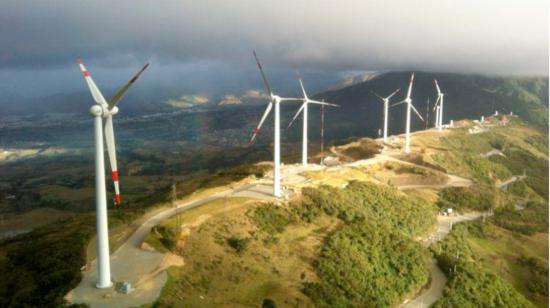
[44,38]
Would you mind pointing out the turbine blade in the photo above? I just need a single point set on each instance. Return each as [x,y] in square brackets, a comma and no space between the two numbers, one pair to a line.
[410,86]
[118,96]
[393,93]
[322,103]
[302,86]
[437,87]
[288,99]
[98,97]
[111,150]
[264,116]
[267,87]
[296,115]
[399,103]
[417,113]
[380,97]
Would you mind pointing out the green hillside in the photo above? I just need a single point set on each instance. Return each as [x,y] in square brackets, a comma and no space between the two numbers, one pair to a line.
[466,97]
[358,246]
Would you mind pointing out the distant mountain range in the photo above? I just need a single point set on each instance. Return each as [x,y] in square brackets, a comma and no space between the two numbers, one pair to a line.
[466,96]
[227,120]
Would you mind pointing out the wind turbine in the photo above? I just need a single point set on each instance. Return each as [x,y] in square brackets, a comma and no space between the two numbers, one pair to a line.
[386,101]
[304,108]
[439,107]
[410,106]
[274,101]
[101,110]
[436,109]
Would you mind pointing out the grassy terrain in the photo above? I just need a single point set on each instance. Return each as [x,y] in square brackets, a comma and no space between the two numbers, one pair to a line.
[164,236]
[40,267]
[478,198]
[494,267]
[289,254]
[502,261]
[231,260]
[528,219]
[400,174]
[356,238]
[338,177]
[348,243]
[460,152]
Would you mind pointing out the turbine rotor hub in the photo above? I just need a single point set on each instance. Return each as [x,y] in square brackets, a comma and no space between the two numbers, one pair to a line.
[114,110]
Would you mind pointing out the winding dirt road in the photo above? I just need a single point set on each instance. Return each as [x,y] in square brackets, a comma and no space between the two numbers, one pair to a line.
[131,263]
[438,279]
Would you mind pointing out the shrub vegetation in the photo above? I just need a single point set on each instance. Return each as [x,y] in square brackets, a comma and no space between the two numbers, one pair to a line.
[364,201]
[476,197]
[470,284]
[372,259]
[367,265]
[271,218]
[531,219]
[366,148]
[238,244]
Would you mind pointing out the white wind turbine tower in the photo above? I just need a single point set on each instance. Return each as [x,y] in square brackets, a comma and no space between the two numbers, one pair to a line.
[437,110]
[386,101]
[101,110]
[410,106]
[274,101]
[304,108]
[439,107]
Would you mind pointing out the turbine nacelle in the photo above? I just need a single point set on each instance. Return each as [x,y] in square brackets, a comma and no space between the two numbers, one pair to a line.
[96,110]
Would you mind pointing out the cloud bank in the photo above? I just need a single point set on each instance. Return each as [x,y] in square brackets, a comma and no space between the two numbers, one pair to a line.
[491,36]
[197,43]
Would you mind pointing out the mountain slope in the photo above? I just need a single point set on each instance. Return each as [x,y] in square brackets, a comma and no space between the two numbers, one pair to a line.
[466,96]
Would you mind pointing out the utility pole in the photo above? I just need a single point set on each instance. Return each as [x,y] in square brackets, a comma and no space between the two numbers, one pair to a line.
[322,129]
[428,113]
[174,197]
